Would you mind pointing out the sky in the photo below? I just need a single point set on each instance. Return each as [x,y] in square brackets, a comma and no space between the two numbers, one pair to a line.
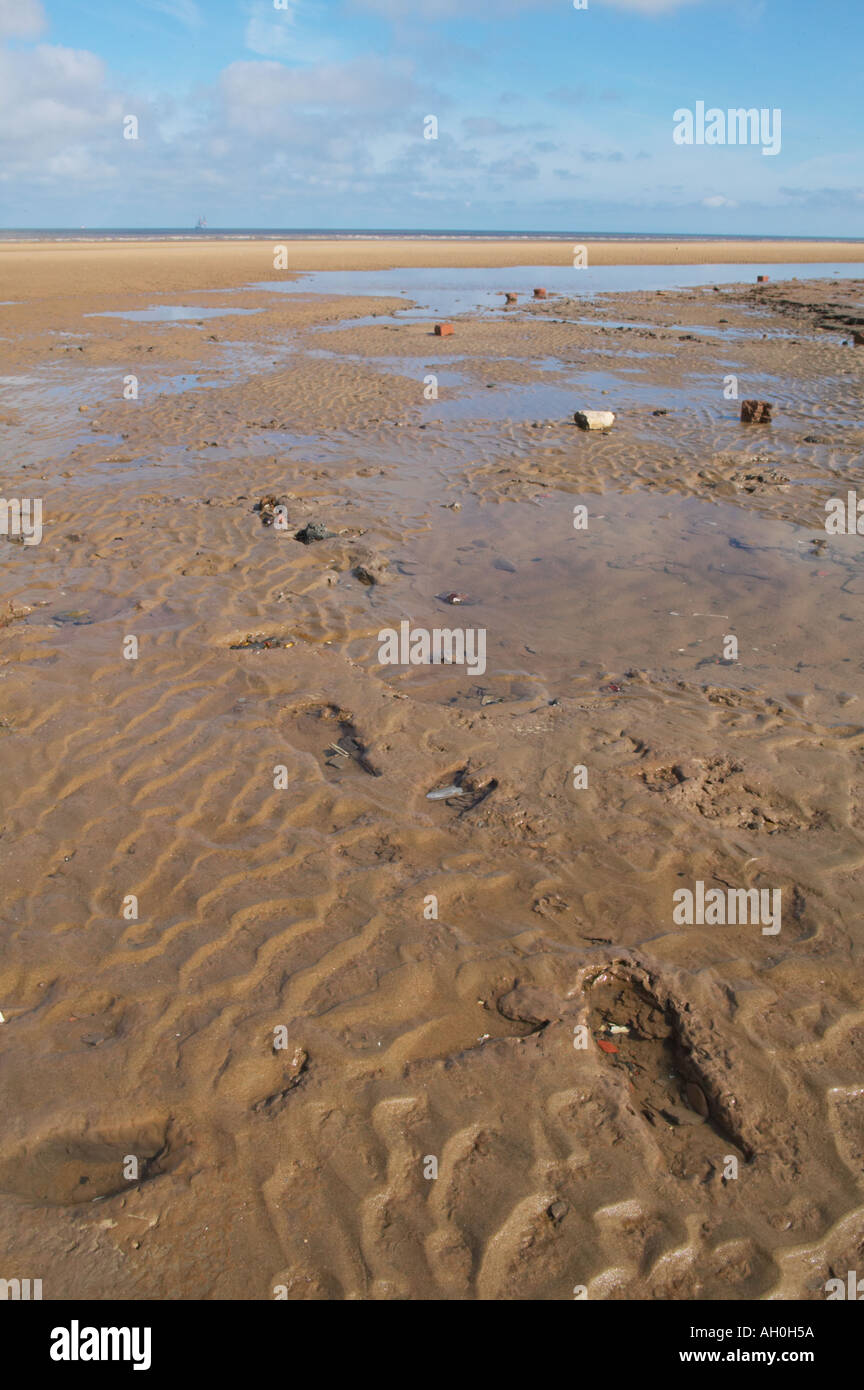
[316,114]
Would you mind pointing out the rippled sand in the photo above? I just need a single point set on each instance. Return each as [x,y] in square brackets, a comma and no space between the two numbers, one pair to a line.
[286,1035]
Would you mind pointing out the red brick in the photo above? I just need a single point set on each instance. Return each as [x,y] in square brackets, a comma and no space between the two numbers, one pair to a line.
[755,413]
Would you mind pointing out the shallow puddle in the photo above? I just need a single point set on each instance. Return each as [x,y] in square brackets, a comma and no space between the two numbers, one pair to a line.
[652,584]
[445,292]
[167,313]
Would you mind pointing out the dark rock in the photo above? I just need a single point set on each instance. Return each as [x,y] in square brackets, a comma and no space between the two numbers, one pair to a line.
[313,531]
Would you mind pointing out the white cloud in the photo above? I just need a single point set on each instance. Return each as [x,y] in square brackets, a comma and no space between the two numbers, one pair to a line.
[257,94]
[22,19]
[185,12]
[650,6]
[79,163]
[454,9]
[488,127]
[718,200]
[278,34]
[52,98]
[450,9]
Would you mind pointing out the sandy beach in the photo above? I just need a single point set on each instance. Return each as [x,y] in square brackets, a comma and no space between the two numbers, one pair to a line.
[50,268]
[362,1043]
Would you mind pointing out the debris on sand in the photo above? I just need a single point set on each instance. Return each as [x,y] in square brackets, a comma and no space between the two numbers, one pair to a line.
[313,531]
[444,793]
[472,786]
[349,745]
[444,330]
[594,419]
[14,612]
[453,598]
[295,1073]
[539,294]
[257,642]
[468,787]
[272,509]
[74,617]
[368,568]
[762,481]
[510,297]
[755,413]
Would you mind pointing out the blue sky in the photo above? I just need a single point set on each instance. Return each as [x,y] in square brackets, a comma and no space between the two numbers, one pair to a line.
[312,114]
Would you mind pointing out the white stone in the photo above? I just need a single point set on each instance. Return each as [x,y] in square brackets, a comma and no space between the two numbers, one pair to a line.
[594,419]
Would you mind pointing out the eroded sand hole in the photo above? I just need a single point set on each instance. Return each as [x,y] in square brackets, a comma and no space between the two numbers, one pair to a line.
[644,1041]
[65,1170]
[333,733]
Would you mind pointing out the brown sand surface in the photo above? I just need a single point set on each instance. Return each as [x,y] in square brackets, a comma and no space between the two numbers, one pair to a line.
[332,980]
[38,270]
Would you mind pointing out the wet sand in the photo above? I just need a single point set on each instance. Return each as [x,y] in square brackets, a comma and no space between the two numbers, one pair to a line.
[332,980]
